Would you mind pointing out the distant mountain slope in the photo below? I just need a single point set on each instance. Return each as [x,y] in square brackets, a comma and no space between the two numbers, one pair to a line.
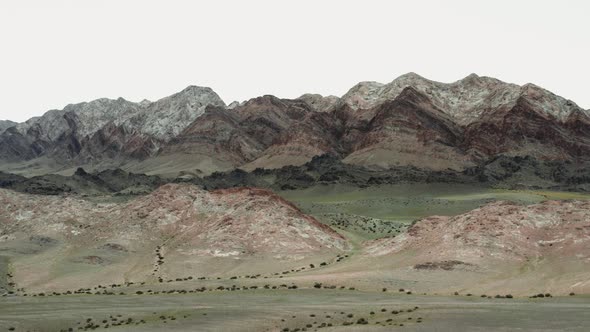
[465,100]
[5,124]
[409,130]
[411,121]
[106,128]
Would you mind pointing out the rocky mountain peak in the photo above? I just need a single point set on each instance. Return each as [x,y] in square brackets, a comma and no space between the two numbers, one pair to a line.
[550,103]
[363,95]
[5,124]
[136,124]
[233,104]
[412,93]
[167,117]
[473,77]
[320,103]
[411,77]
[465,100]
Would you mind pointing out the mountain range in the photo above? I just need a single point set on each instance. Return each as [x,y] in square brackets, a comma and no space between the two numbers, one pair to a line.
[474,193]
[411,121]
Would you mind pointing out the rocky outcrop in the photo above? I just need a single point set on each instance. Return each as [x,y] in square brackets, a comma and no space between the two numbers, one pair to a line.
[409,130]
[526,128]
[5,124]
[320,103]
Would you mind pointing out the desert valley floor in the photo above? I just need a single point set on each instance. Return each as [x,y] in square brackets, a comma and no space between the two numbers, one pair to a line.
[384,267]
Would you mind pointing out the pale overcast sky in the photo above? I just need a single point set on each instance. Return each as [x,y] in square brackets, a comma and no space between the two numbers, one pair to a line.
[58,52]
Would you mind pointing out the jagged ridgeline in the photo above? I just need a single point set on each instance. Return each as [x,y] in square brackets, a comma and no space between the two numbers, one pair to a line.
[410,122]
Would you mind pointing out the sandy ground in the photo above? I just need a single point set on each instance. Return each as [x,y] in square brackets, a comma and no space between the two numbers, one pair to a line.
[267,310]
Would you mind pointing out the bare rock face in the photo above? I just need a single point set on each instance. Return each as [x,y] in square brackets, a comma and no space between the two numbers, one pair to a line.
[529,127]
[233,104]
[465,100]
[5,124]
[411,121]
[263,132]
[319,102]
[86,130]
[217,135]
[408,130]
[167,117]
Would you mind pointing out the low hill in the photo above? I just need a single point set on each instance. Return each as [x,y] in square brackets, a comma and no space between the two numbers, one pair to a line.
[177,230]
